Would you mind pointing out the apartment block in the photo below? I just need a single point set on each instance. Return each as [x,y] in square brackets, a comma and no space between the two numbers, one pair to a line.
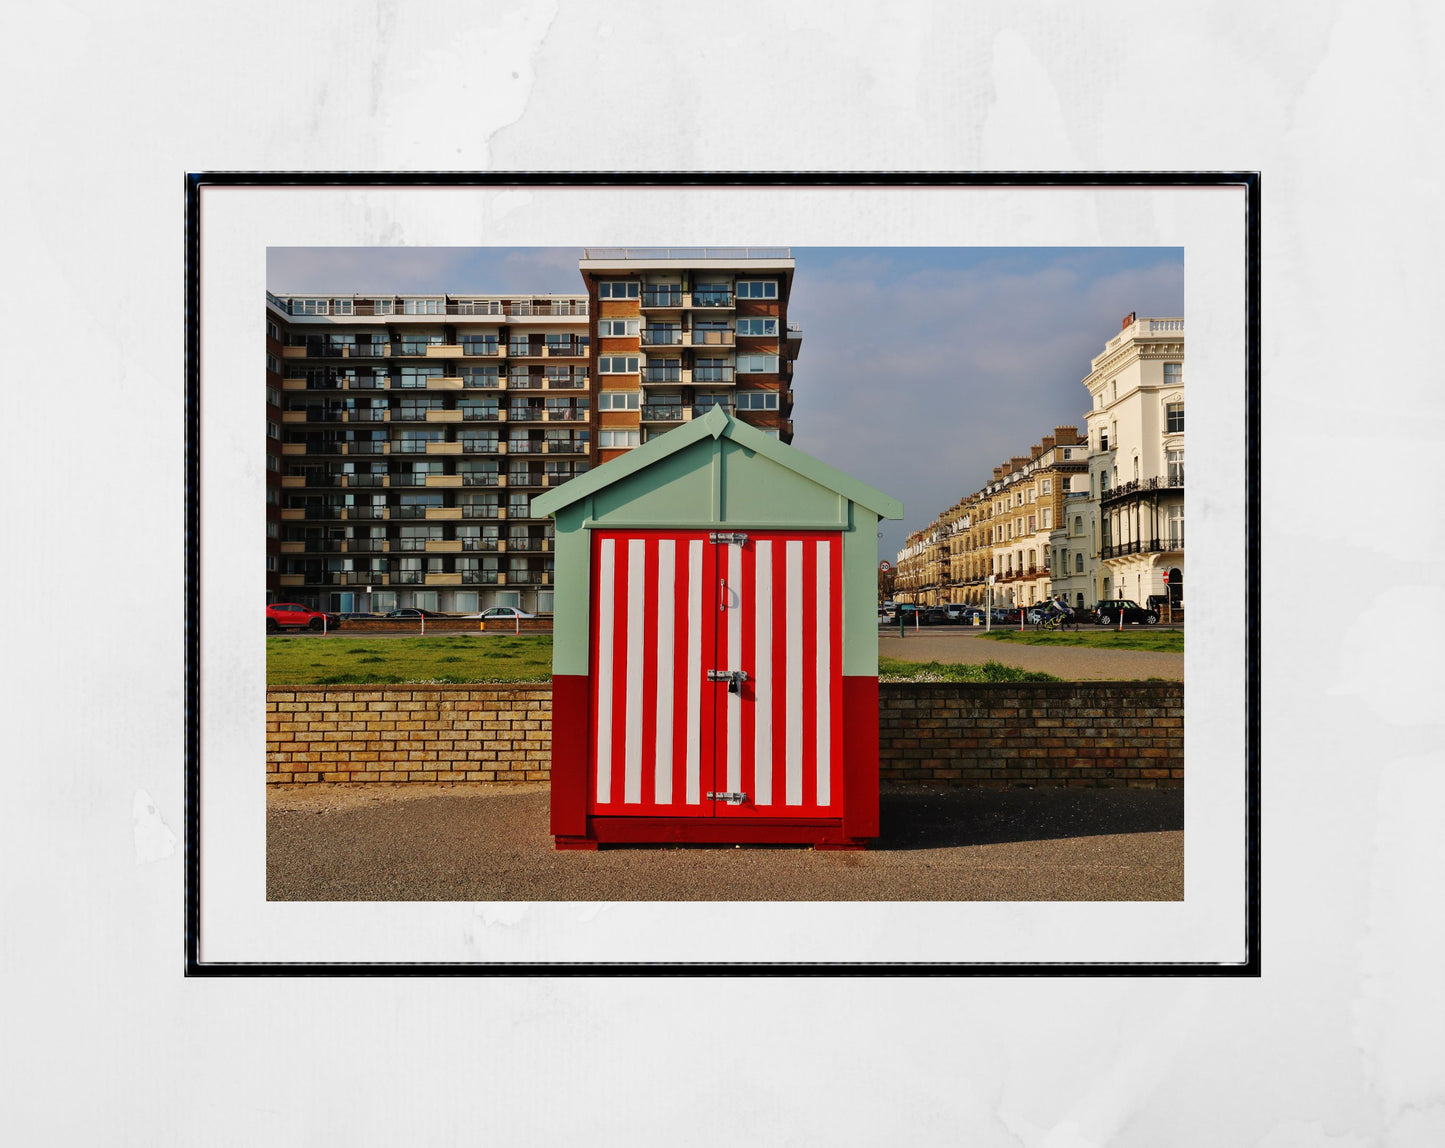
[1136,465]
[678,331]
[1005,530]
[407,434]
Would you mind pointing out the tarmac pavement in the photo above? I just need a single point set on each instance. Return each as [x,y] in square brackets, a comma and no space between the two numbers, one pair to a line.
[478,842]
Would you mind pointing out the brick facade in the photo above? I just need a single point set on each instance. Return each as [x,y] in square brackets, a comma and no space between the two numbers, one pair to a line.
[1078,734]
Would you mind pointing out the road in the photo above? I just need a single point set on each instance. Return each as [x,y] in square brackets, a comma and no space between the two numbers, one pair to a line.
[490,843]
[1075,663]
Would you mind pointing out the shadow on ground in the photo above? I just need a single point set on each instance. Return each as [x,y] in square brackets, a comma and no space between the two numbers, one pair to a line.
[936,817]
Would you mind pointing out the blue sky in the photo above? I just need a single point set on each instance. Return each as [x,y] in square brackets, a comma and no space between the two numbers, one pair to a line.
[922,368]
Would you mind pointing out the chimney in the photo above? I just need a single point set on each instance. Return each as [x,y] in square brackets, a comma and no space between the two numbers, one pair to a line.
[997,473]
[1128,321]
[1066,436]
[1047,443]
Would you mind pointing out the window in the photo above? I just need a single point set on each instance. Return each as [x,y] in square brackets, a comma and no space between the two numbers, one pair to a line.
[1078,524]
[309,307]
[1103,481]
[273,463]
[1048,486]
[1176,527]
[273,364]
[617,438]
[1048,518]
[1068,452]
[616,328]
[1174,418]
[272,331]
[381,306]
[758,401]
[618,400]
[479,344]
[423,307]
[617,365]
[1173,374]
[757,327]
[417,376]
[617,289]
[757,288]
[342,307]
[1078,564]
[757,364]
[1175,462]
[272,430]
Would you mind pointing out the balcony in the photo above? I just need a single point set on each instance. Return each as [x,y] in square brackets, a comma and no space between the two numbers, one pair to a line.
[663,338]
[663,413]
[444,383]
[478,577]
[1154,546]
[443,513]
[371,447]
[665,299]
[709,338]
[434,481]
[443,545]
[444,351]
[704,298]
[367,513]
[701,375]
[1137,488]
[443,416]
[482,544]
[674,375]
[444,448]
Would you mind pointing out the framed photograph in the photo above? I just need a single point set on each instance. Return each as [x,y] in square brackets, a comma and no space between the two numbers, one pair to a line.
[954,330]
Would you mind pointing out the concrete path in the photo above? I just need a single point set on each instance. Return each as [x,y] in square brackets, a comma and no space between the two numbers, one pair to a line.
[490,843]
[1073,663]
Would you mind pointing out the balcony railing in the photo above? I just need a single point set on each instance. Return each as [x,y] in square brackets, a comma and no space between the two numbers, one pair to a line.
[665,297]
[483,544]
[651,337]
[712,374]
[704,298]
[661,413]
[479,478]
[1137,486]
[479,577]
[692,254]
[662,374]
[1154,546]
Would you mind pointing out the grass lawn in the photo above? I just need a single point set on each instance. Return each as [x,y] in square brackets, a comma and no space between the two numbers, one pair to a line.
[450,658]
[897,670]
[1136,638]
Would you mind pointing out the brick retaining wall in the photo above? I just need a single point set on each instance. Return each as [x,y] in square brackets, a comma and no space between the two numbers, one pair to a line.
[1026,734]
[1108,734]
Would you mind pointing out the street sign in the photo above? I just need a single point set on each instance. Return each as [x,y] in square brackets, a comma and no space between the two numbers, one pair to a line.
[1166,577]
[885,568]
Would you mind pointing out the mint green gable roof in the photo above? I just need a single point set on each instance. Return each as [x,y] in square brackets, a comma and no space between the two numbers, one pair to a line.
[717,423]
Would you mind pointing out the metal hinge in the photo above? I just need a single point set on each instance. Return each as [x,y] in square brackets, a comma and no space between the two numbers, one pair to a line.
[734,678]
[730,798]
[734,539]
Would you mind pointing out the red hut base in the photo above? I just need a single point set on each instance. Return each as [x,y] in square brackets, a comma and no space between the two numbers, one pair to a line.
[573,827]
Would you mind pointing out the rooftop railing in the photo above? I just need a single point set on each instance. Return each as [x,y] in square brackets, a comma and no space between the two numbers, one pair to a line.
[687,253]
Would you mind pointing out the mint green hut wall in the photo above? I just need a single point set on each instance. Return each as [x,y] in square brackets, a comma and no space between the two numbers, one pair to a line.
[716,473]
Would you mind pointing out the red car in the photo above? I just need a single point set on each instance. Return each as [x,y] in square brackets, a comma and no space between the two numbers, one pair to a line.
[294,616]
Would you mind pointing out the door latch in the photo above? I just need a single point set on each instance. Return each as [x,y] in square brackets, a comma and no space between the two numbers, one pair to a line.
[730,798]
[734,678]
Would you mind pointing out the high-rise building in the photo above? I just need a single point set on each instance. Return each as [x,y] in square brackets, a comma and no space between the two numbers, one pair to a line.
[680,330]
[1136,464]
[408,433]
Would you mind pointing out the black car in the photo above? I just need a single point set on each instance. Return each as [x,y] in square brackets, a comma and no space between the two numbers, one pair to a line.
[414,613]
[1110,609]
[935,616]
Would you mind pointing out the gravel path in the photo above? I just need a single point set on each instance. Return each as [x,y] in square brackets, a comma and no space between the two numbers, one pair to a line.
[490,843]
[1073,663]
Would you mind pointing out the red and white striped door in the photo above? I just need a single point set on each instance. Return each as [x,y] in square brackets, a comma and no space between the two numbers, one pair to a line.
[670,606]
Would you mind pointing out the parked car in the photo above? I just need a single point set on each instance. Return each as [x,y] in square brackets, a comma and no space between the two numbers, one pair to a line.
[1110,609]
[955,613]
[502,614]
[294,616]
[935,616]
[414,613]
